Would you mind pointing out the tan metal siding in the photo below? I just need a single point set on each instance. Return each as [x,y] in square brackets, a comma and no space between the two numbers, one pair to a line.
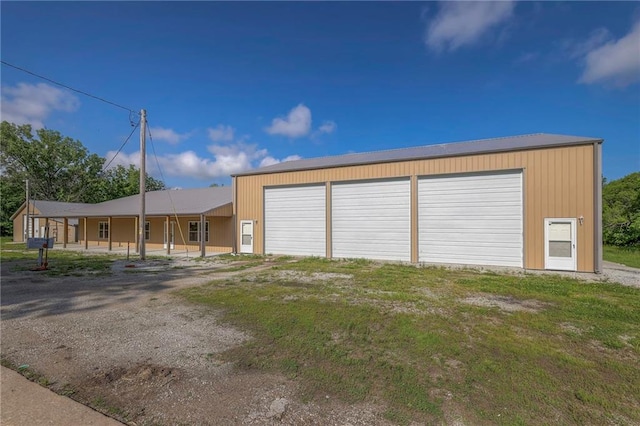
[124,230]
[558,182]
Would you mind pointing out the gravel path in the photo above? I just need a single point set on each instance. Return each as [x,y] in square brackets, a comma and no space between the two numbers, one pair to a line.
[622,274]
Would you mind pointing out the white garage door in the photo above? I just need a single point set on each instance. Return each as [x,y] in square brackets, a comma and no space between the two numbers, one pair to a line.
[295,220]
[471,219]
[371,220]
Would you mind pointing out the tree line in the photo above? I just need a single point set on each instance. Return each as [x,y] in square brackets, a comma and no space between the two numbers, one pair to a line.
[621,211]
[58,168]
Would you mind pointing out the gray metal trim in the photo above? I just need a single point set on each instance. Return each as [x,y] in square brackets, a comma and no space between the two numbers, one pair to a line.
[234,216]
[474,173]
[371,180]
[597,205]
[523,197]
[292,185]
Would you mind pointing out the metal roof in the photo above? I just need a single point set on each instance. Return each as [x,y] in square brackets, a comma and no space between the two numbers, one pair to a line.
[182,202]
[482,146]
[47,208]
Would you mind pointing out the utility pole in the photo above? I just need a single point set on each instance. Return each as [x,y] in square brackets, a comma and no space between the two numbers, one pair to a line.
[26,225]
[143,176]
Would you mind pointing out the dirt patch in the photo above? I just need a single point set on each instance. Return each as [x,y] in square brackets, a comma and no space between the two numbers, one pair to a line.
[313,277]
[508,304]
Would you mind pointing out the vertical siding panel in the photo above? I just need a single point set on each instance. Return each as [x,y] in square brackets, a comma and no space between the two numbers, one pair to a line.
[588,209]
[543,174]
[557,181]
[530,197]
[578,202]
[564,183]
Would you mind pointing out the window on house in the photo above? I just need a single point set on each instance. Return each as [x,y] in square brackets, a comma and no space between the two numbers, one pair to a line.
[103,230]
[194,231]
[147,230]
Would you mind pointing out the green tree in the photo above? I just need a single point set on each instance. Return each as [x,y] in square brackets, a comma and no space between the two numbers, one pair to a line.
[123,181]
[621,211]
[59,169]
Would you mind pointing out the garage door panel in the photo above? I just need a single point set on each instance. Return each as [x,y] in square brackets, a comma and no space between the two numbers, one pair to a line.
[448,237]
[459,249]
[461,225]
[295,220]
[371,219]
[472,219]
[471,259]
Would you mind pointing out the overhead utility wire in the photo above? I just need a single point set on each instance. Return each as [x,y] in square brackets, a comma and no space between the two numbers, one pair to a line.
[121,146]
[70,88]
[173,206]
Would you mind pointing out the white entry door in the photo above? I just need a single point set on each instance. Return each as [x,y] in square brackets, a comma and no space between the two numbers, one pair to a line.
[560,244]
[173,235]
[246,236]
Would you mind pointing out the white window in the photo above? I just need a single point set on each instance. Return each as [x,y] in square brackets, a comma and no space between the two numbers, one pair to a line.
[147,230]
[103,230]
[194,231]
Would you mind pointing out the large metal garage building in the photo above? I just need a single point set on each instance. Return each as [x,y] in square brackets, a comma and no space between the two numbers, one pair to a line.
[531,201]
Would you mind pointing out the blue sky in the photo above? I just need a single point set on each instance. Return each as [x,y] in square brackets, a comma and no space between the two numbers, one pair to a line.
[232,86]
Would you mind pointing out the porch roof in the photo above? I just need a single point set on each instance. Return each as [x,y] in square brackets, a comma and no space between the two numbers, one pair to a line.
[181,202]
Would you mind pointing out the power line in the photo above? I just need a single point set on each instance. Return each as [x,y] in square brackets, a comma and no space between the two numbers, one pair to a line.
[175,212]
[68,87]
[121,146]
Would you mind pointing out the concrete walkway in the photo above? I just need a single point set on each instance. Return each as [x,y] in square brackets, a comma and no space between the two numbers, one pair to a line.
[25,403]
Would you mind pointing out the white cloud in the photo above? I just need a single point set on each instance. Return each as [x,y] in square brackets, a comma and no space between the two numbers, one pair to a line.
[221,133]
[33,103]
[613,61]
[185,164]
[227,159]
[168,135]
[270,161]
[462,23]
[296,124]
[328,127]
[579,49]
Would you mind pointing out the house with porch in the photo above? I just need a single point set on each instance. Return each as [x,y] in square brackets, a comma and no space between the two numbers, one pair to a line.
[41,216]
[192,220]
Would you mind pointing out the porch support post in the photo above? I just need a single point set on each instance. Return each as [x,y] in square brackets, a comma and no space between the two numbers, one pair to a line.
[135,238]
[65,232]
[110,232]
[168,233]
[203,246]
[86,236]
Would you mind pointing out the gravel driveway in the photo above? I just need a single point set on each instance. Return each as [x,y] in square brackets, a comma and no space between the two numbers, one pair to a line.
[125,345]
[622,274]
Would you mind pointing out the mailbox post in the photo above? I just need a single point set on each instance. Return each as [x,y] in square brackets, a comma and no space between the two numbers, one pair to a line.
[41,244]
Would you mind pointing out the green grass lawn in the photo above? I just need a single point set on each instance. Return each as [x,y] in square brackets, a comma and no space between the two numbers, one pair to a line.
[629,256]
[59,262]
[431,344]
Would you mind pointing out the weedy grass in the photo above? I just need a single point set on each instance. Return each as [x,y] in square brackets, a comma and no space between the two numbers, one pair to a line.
[60,262]
[427,342]
[629,256]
